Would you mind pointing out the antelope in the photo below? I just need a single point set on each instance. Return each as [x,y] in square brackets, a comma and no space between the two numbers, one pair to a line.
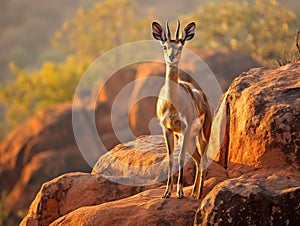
[183,112]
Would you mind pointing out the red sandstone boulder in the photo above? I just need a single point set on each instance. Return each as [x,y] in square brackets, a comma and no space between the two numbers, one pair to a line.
[260,200]
[146,208]
[30,138]
[40,149]
[144,161]
[71,191]
[256,134]
[107,97]
[124,171]
[45,147]
[226,65]
[42,167]
[148,82]
[259,117]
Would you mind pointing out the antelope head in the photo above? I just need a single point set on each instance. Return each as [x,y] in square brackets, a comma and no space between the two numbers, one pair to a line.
[172,47]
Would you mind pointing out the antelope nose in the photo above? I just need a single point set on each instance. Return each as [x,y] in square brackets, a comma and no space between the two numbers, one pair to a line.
[172,57]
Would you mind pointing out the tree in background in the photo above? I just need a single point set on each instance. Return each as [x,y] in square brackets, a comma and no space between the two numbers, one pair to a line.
[86,36]
[262,28]
[93,32]
[30,92]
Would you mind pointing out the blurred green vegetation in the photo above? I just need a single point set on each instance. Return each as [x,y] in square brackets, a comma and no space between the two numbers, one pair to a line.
[53,83]
[25,28]
[83,38]
[264,29]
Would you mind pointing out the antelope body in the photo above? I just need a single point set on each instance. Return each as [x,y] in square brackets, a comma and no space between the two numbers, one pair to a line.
[183,112]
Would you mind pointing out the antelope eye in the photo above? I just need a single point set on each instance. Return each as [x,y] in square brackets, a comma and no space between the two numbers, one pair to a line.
[180,48]
[164,48]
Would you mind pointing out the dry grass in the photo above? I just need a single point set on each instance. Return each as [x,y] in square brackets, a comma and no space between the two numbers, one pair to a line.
[293,57]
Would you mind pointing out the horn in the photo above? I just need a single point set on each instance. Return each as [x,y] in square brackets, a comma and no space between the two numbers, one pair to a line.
[168,31]
[177,31]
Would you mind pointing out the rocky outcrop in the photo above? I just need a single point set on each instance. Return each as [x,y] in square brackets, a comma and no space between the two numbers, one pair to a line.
[71,191]
[226,65]
[44,147]
[255,137]
[146,208]
[124,171]
[261,120]
[42,167]
[143,161]
[106,98]
[148,82]
[39,150]
[266,200]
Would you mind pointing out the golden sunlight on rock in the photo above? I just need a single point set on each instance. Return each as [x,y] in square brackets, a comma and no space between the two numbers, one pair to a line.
[261,120]
[255,137]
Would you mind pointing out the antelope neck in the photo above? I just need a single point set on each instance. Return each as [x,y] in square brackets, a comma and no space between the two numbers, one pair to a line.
[172,81]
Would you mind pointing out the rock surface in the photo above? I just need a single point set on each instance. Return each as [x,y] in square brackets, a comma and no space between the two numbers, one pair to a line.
[148,82]
[266,200]
[143,160]
[146,208]
[106,98]
[260,118]
[26,153]
[226,65]
[115,177]
[43,166]
[71,191]
[44,147]
[39,150]
[256,134]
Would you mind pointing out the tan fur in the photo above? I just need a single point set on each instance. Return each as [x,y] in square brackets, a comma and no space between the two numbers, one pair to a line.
[183,111]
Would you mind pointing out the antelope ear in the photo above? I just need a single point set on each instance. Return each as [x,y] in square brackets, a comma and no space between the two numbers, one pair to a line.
[188,32]
[158,32]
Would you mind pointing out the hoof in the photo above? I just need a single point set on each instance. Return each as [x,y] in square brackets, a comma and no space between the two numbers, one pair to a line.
[179,195]
[193,195]
[166,195]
